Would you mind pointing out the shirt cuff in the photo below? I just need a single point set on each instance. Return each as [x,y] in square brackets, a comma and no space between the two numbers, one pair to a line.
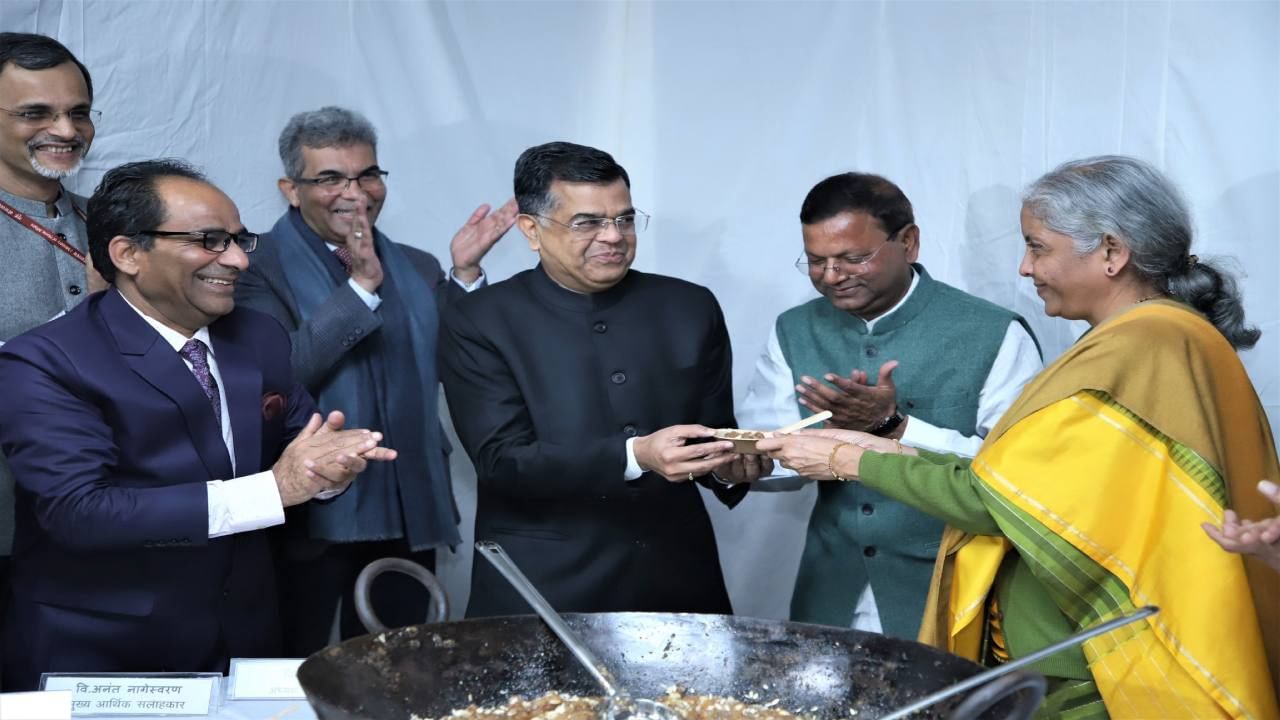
[920,434]
[912,429]
[242,504]
[372,300]
[634,471]
[474,285]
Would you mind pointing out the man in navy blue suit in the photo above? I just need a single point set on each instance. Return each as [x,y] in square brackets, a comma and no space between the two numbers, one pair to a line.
[152,432]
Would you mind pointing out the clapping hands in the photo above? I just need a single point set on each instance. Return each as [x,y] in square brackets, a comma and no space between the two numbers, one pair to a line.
[324,458]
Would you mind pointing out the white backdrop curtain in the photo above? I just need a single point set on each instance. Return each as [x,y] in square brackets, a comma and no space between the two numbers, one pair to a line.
[725,114]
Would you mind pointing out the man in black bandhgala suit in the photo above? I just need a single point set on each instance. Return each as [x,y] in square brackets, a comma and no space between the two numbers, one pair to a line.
[584,392]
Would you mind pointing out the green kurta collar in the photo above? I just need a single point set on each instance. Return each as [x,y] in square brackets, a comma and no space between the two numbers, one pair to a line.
[915,304]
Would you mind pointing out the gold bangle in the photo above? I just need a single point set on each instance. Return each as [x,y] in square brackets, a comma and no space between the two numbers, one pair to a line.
[831,462]
[897,446]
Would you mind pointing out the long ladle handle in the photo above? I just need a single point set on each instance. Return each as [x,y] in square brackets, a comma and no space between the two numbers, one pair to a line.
[498,557]
[1022,662]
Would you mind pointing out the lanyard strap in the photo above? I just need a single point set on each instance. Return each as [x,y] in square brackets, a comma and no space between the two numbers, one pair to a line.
[55,240]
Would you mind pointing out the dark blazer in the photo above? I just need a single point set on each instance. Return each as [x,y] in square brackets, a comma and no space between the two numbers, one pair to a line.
[337,328]
[111,441]
[545,387]
[341,331]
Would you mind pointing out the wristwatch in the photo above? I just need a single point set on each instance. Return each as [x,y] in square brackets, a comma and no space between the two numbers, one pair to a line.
[889,424]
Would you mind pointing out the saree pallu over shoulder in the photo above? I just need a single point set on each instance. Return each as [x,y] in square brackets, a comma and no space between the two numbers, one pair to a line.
[1099,475]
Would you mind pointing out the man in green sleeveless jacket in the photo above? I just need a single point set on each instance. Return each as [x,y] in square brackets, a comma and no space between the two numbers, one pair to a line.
[888,350]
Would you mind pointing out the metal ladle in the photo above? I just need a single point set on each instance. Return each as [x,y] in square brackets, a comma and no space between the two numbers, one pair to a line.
[980,701]
[619,705]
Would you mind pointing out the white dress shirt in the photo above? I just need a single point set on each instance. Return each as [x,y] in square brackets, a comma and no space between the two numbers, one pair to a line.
[771,402]
[240,504]
[251,502]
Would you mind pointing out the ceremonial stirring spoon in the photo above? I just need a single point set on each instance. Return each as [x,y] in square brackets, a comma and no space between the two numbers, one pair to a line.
[619,705]
[744,441]
[811,420]
[1009,668]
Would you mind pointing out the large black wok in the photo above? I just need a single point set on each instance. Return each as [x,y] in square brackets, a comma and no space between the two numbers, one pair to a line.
[426,671]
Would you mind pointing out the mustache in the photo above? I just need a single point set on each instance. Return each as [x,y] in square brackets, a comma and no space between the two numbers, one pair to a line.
[78,142]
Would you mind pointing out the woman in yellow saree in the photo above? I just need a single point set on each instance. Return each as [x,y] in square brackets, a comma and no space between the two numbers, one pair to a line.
[1085,499]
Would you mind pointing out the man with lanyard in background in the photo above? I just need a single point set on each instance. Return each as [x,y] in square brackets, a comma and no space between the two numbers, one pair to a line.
[46,125]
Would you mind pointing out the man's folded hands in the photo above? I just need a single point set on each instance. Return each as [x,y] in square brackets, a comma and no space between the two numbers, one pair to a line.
[324,457]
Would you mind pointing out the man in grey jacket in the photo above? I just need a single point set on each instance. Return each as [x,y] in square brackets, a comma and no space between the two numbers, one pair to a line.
[362,312]
[46,126]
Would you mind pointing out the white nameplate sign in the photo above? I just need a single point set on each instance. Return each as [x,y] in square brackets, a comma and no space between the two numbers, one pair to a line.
[52,705]
[136,693]
[264,679]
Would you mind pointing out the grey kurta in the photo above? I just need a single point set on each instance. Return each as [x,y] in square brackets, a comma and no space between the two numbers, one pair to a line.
[37,281]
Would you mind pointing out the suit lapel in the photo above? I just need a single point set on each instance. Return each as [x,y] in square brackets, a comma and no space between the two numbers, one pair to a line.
[242,383]
[148,355]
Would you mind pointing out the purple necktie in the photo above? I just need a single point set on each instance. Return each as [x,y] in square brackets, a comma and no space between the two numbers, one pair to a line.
[344,256]
[197,354]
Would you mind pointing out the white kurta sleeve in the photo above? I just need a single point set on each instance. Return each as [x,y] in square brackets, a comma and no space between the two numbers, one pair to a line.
[1017,361]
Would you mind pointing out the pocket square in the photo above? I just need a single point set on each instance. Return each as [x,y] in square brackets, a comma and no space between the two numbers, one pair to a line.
[272,405]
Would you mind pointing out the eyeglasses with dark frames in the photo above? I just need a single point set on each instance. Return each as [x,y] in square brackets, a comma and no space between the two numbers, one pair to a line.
[214,241]
[369,181]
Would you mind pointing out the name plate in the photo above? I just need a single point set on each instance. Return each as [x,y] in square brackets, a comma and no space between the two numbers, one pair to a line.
[52,705]
[137,693]
[264,679]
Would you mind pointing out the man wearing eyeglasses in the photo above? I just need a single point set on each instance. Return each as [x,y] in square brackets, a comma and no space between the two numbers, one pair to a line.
[46,126]
[363,313]
[890,351]
[584,392]
[153,431]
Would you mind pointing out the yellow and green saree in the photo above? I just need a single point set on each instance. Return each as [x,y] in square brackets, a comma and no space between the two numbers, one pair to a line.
[1098,477]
